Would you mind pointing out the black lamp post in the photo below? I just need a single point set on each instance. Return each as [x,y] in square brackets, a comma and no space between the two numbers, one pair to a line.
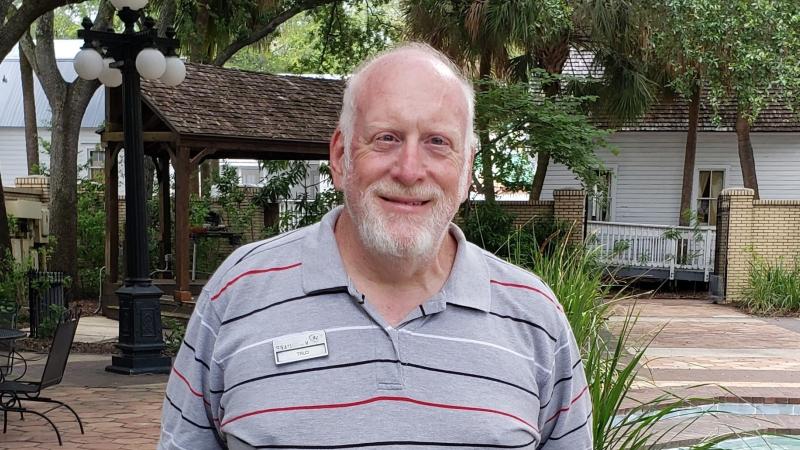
[120,58]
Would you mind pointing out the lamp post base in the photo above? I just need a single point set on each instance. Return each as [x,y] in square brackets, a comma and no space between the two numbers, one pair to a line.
[140,336]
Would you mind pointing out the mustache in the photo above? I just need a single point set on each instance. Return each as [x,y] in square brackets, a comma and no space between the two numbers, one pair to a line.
[421,191]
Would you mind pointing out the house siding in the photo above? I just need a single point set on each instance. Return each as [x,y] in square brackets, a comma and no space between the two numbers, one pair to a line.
[649,170]
[14,161]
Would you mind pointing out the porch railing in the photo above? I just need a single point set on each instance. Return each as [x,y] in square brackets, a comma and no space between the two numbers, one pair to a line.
[655,246]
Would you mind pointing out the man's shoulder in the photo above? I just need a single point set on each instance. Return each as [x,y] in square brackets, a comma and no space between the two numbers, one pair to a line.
[514,287]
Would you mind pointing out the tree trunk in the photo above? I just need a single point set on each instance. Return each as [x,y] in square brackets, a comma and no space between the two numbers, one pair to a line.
[552,60]
[746,157]
[542,161]
[198,49]
[5,238]
[689,157]
[487,161]
[29,109]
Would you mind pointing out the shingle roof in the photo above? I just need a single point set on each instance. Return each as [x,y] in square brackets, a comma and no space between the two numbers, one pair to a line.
[235,103]
[673,115]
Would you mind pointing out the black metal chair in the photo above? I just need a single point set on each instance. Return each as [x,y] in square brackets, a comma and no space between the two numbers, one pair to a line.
[13,393]
[8,321]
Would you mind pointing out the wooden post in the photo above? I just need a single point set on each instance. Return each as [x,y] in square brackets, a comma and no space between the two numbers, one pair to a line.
[112,213]
[165,209]
[182,167]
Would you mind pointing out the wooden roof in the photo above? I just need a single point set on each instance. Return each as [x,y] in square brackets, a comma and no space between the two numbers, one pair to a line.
[230,103]
[672,114]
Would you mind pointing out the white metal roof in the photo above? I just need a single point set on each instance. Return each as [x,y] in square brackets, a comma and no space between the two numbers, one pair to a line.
[11,112]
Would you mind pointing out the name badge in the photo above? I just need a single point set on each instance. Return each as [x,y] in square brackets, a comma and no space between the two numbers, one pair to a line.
[300,346]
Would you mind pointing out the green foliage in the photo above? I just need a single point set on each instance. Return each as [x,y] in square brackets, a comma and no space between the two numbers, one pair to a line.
[91,236]
[522,121]
[174,331]
[304,203]
[330,39]
[740,49]
[773,288]
[49,323]
[489,226]
[237,210]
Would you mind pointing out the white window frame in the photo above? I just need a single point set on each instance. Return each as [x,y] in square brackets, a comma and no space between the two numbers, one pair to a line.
[612,191]
[696,187]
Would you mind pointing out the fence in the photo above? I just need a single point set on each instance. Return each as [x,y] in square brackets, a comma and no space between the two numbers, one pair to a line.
[44,290]
[655,246]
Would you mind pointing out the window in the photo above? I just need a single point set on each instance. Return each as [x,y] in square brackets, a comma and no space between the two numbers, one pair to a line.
[250,176]
[97,162]
[710,185]
[601,199]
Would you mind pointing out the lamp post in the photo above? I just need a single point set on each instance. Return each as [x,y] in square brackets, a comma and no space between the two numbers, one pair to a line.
[120,58]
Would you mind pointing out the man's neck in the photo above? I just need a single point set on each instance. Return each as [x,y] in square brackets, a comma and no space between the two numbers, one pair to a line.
[395,286]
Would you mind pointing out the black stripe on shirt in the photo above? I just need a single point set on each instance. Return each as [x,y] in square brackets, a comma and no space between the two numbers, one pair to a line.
[333,290]
[378,361]
[560,380]
[527,322]
[195,355]
[578,428]
[186,419]
[404,443]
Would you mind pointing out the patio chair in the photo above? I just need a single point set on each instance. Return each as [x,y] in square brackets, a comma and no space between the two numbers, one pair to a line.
[8,320]
[13,393]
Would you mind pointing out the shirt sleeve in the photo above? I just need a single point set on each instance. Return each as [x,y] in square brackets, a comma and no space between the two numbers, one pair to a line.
[191,410]
[565,418]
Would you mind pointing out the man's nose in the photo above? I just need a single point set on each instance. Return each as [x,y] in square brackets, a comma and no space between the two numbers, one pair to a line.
[409,167]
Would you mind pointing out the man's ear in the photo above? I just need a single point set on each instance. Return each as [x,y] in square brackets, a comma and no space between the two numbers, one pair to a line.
[336,147]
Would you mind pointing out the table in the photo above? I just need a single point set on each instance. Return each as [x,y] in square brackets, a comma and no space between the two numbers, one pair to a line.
[7,353]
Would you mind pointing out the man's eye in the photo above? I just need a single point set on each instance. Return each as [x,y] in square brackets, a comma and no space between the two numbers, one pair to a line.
[436,140]
[386,138]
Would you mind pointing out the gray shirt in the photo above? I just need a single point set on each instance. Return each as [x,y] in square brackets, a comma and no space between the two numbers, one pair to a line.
[283,352]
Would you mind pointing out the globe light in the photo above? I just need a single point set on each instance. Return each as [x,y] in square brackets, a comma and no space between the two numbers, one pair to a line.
[110,76]
[132,4]
[88,64]
[151,64]
[175,72]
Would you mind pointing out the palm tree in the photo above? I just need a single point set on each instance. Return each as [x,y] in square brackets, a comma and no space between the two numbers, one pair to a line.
[507,38]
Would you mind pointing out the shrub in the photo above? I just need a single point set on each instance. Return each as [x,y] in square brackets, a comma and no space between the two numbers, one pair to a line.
[773,288]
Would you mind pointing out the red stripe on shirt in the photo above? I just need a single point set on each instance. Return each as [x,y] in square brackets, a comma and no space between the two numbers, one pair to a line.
[530,288]
[252,272]
[378,399]
[566,408]
[194,392]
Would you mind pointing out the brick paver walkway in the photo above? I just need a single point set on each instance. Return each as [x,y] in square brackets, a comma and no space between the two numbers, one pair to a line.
[118,412]
[699,343]
[705,350]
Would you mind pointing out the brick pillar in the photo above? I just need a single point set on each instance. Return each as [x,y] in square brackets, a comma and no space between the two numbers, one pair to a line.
[569,205]
[739,237]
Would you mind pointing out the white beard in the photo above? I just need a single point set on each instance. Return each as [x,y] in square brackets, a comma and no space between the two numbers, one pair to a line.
[399,235]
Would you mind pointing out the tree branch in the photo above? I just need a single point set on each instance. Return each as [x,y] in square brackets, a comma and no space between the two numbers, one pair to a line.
[18,20]
[46,66]
[264,31]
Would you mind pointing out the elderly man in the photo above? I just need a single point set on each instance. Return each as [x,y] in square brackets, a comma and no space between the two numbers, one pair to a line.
[381,326]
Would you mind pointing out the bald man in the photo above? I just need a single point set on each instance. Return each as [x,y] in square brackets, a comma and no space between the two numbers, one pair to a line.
[381,326]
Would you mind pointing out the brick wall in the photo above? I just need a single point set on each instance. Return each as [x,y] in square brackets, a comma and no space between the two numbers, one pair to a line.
[568,204]
[770,228]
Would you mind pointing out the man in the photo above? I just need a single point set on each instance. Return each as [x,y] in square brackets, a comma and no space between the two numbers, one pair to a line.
[381,326]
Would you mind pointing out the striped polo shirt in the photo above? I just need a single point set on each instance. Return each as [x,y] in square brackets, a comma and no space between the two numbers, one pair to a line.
[488,362]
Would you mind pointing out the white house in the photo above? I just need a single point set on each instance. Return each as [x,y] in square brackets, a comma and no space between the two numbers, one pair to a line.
[13,161]
[646,169]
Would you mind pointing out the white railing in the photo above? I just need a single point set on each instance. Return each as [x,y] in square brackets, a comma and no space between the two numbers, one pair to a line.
[655,246]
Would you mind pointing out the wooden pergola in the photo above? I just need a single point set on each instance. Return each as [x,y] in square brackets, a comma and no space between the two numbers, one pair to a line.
[215,113]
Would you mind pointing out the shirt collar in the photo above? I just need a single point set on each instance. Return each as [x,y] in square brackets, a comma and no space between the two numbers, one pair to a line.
[322,268]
